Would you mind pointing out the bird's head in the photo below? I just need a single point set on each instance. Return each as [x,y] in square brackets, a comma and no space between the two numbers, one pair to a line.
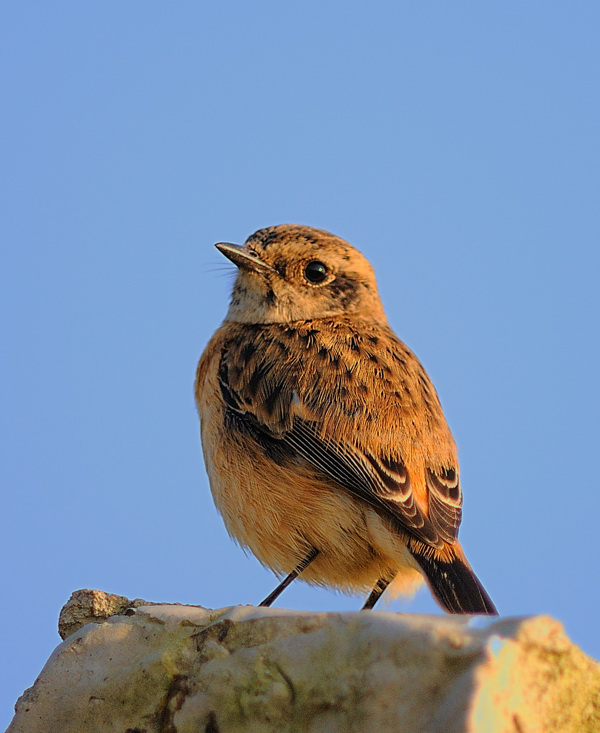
[292,273]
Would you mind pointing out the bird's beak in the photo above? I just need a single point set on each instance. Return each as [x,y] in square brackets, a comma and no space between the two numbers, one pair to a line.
[243,258]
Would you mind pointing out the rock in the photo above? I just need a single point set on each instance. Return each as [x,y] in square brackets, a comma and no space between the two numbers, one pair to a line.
[132,667]
[93,606]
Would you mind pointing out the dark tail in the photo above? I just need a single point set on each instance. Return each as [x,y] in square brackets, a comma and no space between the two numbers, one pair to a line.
[455,586]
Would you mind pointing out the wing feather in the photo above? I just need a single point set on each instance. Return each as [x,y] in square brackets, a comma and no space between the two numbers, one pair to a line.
[355,471]
[298,412]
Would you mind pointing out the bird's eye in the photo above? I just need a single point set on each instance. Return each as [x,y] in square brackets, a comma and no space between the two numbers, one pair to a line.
[315,272]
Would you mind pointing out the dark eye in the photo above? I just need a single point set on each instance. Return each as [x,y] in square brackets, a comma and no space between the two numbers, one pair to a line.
[315,272]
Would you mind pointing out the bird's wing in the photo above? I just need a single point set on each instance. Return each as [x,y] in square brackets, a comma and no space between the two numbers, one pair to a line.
[381,481]
[291,411]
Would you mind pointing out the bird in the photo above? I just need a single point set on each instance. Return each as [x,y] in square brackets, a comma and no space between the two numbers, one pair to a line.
[326,448]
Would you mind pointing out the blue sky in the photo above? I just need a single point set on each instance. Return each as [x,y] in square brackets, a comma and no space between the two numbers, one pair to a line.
[456,144]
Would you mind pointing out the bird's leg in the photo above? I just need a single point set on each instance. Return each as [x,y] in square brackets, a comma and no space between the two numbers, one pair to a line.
[376,593]
[292,576]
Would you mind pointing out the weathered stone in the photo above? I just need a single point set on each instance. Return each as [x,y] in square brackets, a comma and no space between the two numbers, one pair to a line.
[178,669]
[93,606]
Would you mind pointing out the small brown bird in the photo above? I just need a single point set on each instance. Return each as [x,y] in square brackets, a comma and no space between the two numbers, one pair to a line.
[325,444]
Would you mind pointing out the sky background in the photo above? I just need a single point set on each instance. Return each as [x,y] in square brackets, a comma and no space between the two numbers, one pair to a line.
[455,144]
